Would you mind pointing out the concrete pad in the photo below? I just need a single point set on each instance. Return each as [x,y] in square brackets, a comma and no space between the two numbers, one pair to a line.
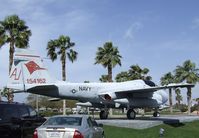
[148,121]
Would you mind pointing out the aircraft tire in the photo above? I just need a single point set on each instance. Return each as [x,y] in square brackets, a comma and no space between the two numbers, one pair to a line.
[103,114]
[131,114]
[156,114]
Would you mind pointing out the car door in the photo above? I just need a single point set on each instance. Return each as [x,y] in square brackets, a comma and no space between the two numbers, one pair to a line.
[27,124]
[92,131]
[8,127]
[98,130]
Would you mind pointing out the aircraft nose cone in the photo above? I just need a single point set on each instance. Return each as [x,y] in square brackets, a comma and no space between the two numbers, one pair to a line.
[164,96]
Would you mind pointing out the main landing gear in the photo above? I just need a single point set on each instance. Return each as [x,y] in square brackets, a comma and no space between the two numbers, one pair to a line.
[103,114]
[131,114]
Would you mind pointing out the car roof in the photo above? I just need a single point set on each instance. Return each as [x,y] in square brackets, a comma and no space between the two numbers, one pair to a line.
[72,115]
[11,103]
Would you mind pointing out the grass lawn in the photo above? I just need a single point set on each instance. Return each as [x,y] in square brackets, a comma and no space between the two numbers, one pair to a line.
[186,130]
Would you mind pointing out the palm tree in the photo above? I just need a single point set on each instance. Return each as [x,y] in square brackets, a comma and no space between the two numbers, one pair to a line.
[108,56]
[5,93]
[165,80]
[14,31]
[189,73]
[63,47]
[178,96]
[122,76]
[104,78]
[0,95]
[136,72]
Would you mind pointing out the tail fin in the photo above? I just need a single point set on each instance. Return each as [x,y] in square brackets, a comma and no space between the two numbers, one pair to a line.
[27,71]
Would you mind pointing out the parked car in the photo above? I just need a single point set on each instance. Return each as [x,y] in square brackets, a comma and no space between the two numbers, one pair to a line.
[18,120]
[70,126]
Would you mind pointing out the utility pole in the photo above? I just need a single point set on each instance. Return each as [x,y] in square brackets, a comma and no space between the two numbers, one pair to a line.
[64,107]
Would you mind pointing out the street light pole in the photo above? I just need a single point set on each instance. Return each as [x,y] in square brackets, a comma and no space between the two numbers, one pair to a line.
[64,107]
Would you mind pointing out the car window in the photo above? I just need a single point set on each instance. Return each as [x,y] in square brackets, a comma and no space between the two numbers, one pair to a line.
[32,111]
[7,112]
[94,123]
[23,110]
[73,121]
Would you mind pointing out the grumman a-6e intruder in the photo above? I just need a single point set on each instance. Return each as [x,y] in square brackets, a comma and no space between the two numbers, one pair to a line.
[29,75]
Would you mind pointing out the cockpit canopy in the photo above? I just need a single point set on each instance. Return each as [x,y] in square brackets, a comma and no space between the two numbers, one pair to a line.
[150,83]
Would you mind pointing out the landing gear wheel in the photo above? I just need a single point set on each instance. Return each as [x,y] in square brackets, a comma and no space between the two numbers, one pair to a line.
[103,114]
[156,114]
[131,114]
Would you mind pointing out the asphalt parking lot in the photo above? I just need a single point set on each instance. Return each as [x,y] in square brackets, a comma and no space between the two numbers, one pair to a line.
[148,121]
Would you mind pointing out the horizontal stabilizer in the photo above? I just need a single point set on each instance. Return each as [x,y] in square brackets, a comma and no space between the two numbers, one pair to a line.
[47,90]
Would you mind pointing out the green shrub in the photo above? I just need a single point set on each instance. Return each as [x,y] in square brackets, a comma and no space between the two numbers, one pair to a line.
[183,107]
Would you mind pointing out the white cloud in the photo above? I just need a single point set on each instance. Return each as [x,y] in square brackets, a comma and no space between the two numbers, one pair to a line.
[130,32]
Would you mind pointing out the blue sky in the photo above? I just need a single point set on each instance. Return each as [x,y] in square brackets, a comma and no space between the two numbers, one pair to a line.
[157,34]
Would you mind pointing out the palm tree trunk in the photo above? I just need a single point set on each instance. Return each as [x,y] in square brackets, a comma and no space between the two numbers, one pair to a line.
[64,70]
[178,106]
[110,73]
[170,101]
[0,97]
[11,54]
[189,99]
[64,79]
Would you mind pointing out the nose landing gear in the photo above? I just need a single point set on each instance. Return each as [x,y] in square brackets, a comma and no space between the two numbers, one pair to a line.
[156,114]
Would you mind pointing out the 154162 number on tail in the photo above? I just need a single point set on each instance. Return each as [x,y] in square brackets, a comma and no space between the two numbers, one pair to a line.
[36,81]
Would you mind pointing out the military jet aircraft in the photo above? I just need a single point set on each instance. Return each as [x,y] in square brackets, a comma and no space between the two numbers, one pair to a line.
[28,74]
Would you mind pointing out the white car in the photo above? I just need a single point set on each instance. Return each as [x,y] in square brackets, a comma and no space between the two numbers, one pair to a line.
[70,126]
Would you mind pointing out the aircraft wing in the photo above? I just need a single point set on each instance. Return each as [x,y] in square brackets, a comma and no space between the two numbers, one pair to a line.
[47,90]
[139,92]
[153,89]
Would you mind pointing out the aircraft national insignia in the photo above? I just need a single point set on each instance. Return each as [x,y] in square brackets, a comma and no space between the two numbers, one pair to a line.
[73,91]
[32,67]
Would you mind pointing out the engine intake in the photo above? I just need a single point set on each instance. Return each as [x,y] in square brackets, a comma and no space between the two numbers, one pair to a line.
[107,97]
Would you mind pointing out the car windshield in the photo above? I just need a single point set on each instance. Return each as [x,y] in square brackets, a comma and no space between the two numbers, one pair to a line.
[71,121]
